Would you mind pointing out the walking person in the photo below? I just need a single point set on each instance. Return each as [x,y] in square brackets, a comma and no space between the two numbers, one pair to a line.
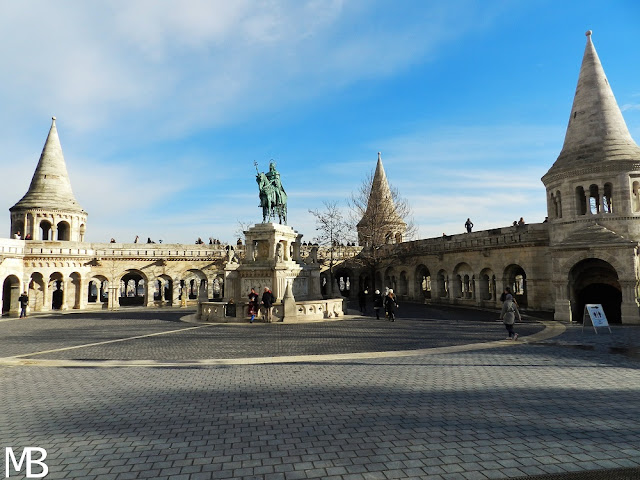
[377,303]
[253,304]
[391,305]
[24,301]
[362,301]
[509,313]
[267,302]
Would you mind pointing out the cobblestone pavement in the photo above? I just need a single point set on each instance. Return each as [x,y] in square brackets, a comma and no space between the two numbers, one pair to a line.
[495,410]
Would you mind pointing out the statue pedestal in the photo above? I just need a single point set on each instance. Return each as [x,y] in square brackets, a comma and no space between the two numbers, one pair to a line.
[273,260]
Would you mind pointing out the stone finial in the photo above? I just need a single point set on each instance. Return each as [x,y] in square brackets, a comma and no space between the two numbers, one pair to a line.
[379,156]
[588,33]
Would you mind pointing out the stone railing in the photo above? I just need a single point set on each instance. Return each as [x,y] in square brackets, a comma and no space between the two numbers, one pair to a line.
[306,311]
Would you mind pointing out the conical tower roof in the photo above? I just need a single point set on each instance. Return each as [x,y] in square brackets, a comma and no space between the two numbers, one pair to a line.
[380,198]
[597,135]
[50,186]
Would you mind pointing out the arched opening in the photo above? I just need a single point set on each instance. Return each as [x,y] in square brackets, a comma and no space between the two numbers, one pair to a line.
[365,283]
[403,284]
[218,288]
[10,295]
[607,198]
[516,278]
[487,285]
[462,281]
[36,292]
[56,286]
[558,204]
[581,201]
[343,279]
[97,290]
[423,281]
[64,231]
[17,230]
[635,197]
[378,284]
[443,284]
[83,229]
[594,199]
[132,289]
[324,282]
[595,281]
[45,230]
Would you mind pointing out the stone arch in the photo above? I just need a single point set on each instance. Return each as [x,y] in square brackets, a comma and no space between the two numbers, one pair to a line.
[196,283]
[403,284]
[164,289]
[45,229]
[134,288]
[364,283]
[487,285]
[10,294]
[217,287]
[462,281]
[607,198]
[344,280]
[98,290]
[593,280]
[442,281]
[83,229]
[17,229]
[515,277]
[635,196]
[56,289]
[63,230]
[36,292]
[390,279]
[423,281]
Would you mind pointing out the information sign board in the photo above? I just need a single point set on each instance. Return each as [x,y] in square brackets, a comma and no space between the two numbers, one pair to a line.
[594,314]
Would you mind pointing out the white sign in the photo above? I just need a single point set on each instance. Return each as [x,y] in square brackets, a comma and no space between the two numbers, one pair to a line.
[593,312]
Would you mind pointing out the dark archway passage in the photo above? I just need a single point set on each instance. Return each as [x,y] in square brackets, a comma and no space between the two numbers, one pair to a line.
[595,281]
[609,297]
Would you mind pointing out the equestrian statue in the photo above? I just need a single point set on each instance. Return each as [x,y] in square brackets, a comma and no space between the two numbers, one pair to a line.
[273,198]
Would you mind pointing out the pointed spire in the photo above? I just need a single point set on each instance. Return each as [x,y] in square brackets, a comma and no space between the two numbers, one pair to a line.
[597,132]
[50,186]
[380,202]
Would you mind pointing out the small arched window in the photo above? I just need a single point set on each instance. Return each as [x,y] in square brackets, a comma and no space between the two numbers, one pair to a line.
[581,201]
[607,198]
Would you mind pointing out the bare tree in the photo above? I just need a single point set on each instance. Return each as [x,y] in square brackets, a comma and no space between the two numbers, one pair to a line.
[381,216]
[333,230]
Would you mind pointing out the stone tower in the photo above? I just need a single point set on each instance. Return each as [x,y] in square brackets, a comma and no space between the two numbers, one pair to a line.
[593,203]
[49,210]
[597,174]
[380,223]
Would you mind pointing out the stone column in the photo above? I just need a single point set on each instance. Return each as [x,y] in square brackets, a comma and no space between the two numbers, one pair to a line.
[629,308]
[112,299]
[65,291]
[81,301]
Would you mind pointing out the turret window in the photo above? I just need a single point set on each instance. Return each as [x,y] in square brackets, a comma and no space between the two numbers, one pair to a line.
[594,200]
[635,197]
[607,198]
[581,201]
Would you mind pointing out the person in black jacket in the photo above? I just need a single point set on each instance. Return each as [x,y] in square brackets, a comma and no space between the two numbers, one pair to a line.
[377,303]
[267,302]
[391,304]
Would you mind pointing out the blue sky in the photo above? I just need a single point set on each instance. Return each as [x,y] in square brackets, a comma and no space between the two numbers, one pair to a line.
[162,107]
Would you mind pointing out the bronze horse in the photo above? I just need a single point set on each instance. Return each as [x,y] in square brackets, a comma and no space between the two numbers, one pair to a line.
[271,200]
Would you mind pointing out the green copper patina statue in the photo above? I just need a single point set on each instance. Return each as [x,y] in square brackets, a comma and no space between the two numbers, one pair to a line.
[273,198]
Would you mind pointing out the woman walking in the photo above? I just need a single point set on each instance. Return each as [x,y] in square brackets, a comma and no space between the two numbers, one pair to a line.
[377,303]
[391,304]
[509,313]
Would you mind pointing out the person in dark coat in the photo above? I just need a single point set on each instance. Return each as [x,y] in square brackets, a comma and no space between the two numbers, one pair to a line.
[362,301]
[391,305]
[377,303]
[267,302]
[253,304]
[24,301]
